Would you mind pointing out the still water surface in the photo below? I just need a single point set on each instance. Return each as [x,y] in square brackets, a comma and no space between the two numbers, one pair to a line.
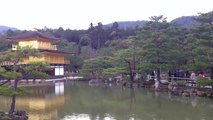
[79,101]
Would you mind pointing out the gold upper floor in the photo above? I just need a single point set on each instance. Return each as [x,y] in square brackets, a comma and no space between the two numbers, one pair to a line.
[36,44]
[51,58]
[37,40]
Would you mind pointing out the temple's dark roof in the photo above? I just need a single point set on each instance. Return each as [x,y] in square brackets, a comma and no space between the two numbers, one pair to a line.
[32,34]
[55,51]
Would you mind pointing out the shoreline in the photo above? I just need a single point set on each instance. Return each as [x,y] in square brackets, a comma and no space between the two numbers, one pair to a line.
[43,82]
[179,90]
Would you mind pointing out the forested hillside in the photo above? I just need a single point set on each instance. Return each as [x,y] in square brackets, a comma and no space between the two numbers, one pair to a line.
[5,28]
[185,21]
[103,52]
[128,24]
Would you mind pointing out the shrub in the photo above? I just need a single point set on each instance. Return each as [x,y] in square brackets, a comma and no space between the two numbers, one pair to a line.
[204,82]
[37,75]
[11,75]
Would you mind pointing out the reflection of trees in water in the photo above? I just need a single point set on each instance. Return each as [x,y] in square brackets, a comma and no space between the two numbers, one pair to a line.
[115,102]
[132,99]
[43,104]
[125,103]
[42,91]
[194,101]
[193,108]
[132,102]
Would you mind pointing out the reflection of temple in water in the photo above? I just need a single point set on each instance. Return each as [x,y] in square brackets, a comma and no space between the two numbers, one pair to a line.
[42,105]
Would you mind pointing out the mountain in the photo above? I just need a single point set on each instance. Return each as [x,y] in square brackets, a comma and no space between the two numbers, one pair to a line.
[4,28]
[128,24]
[185,21]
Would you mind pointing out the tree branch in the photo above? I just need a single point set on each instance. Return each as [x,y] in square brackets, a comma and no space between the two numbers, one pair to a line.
[4,82]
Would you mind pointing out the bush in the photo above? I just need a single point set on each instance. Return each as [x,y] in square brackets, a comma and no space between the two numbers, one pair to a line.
[37,75]
[11,75]
[204,82]
[5,90]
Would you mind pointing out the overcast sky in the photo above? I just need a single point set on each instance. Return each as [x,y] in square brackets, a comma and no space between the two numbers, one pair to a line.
[78,14]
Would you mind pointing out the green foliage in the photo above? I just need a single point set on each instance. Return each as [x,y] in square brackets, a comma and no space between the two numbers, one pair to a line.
[7,91]
[204,82]
[35,66]
[156,45]
[85,40]
[11,75]
[109,51]
[66,46]
[76,62]
[36,75]
[119,43]
[205,18]
[185,22]
[14,57]
[23,91]
[2,70]
[4,43]
[87,52]
[114,71]
[94,67]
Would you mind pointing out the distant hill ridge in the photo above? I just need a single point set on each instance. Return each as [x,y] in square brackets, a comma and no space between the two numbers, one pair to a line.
[184,21]
[128,24]
[5,28]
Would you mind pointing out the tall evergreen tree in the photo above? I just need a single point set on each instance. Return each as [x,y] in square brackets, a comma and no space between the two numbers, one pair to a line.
[155,43]
[203,42]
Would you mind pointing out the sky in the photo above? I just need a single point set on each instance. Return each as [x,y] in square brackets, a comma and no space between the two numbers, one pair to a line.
[78,14]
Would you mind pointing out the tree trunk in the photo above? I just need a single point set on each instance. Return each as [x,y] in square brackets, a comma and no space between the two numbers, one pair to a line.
[131,74]
[79,49]
[131,80]
[158,75]
[4,82]
[15,85]
[211,73]
[12,106]
[14,88]
[158,69]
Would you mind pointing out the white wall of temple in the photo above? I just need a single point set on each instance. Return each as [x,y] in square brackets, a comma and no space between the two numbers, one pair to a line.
[58,70]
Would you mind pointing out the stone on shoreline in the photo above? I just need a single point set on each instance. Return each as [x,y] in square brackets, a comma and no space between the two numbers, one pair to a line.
[17,115]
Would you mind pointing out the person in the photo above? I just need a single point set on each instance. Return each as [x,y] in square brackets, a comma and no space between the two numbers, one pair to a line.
[152,75]
[193,75]
[170,75]
[201,75]
[187,74]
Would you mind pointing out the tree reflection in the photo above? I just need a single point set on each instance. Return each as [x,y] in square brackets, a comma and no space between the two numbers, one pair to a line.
[99,102]
[132,99]
[132,102]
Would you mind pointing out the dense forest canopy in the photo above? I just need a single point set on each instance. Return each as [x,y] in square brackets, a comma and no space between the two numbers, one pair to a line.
[107,51]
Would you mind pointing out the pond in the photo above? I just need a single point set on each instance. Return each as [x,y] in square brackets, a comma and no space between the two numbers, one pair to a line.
[80,101]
